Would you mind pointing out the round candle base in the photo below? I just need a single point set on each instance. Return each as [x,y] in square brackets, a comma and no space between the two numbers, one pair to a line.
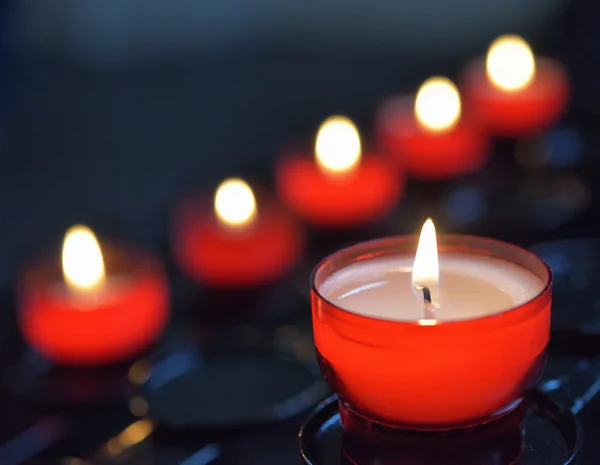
[228,388]
[354,423]
[529,110]
[217,256]
[550,434]
[339,201]
[424,155]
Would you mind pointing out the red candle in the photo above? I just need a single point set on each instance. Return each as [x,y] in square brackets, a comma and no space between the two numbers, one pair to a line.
[513,93]
[340,188]
[428,136]
[434,344]
[106,305]
[235,243]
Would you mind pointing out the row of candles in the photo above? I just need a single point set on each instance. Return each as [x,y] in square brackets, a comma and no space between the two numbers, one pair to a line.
[105,304]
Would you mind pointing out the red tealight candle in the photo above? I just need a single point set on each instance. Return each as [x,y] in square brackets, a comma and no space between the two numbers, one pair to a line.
[236,243]
[340,188]
[431,341]
[428,137]
[513,93]
[89,316]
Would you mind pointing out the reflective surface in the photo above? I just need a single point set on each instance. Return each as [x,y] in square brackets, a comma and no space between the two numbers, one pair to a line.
[550,435]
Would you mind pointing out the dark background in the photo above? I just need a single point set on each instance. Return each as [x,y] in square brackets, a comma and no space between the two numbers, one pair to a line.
[110,113]
[112,109]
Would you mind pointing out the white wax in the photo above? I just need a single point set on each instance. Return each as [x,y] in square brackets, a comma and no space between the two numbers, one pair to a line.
[470,286]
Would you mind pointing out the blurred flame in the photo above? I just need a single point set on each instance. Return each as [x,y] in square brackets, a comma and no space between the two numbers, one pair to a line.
[130,436]
[82,262]
[437,105]
[235,204]
[426,268]
[337,148]
[138,406]
[139,372]
[510,64]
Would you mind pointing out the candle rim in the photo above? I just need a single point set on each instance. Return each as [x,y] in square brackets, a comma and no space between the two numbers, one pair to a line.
[384,247]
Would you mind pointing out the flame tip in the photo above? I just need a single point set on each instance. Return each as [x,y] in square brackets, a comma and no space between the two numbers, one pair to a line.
[426,265]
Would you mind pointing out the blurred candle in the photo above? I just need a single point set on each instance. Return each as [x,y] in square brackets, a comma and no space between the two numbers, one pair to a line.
[340,187]
[512,92]
[428,135]
[81,314]
[239,242]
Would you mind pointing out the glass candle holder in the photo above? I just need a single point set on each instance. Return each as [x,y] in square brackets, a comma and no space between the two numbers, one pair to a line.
[118,321]
[440,374]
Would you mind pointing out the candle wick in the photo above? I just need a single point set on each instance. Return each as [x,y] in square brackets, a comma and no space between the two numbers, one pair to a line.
[428,307]
[426,293]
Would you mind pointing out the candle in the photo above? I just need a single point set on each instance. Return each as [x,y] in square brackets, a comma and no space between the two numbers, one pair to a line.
[432,343]
[238,241]
[341,187]
[512,92]
[101,306]
[427,134]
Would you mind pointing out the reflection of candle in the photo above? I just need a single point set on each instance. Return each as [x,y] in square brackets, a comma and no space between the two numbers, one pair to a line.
[387,352]
[428,135]
[239,242]
[92,316]
[512,92]
[342,187]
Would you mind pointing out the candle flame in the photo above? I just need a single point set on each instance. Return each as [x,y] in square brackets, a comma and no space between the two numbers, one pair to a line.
[510,64]
[82,261]
[426,268]
[437,105]
[235,204]
[338,147]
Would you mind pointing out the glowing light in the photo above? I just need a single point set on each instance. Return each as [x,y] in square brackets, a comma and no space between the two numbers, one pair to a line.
[139,372]
[426,268]
[138,406]
[130,436]
[337,148]
[235,204]
[437,105]
[510,64]
[427,322]
[82,262]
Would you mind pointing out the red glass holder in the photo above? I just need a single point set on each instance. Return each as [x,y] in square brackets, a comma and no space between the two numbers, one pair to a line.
[442,377]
